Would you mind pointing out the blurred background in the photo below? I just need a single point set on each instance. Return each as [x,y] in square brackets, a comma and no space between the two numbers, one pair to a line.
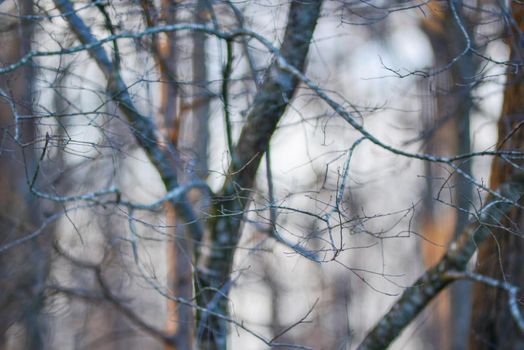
[375,220]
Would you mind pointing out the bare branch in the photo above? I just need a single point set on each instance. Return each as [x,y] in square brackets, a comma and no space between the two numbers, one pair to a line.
[268,107]
[143,127]
[513,303]
[416,297]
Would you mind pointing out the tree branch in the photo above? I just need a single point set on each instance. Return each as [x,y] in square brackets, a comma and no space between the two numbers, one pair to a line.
[415,298]
[511,289]
[270,103]
[143,128]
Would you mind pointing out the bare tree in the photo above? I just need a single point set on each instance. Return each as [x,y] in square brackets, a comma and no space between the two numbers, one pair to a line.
[176,126]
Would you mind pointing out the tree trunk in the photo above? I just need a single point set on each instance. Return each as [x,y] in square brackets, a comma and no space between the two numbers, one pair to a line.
[501,256]
[215,263]
[23,268]
[446,133]
[180,321]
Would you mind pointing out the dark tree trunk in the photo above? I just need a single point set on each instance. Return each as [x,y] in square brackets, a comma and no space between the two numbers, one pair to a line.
[215,264]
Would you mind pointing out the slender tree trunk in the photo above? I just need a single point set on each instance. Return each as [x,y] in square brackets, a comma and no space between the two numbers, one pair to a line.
[201,109]
[24,268]
[447,133]
[501,256]
[179,273]
[185,134]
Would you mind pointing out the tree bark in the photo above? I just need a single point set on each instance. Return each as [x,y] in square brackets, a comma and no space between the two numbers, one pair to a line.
[501,257]
[216,260]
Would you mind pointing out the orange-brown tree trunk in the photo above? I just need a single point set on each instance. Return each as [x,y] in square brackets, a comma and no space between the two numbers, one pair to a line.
[180,321]
[184,133]
[502,256]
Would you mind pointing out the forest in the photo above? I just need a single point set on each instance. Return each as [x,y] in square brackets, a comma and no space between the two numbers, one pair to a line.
[301,174]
